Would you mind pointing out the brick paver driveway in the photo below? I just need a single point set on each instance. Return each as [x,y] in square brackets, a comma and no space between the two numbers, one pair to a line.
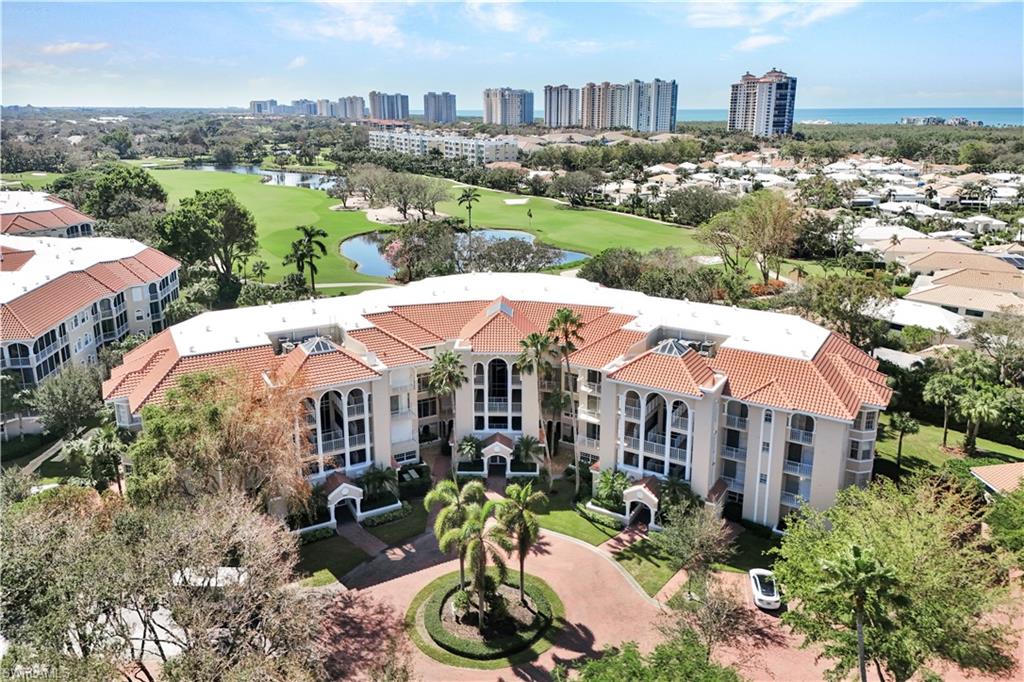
[601,607]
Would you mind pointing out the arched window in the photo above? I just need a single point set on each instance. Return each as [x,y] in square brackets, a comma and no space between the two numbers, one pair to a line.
[803,422]
[655,417]
[497,379]
[767,416]
[680,416]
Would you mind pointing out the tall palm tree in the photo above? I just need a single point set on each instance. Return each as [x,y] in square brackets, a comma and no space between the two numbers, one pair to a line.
[454,503]
[529,449]
[870,587]
[565,326]
[259,269]
[978,406]
[312,249]
[468,197]
[518,521]
[552,407]
[446,377]
[902,423]
[481,544]
[533,358]
[378,480]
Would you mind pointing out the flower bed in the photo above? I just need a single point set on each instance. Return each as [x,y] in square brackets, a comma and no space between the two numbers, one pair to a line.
[377,501]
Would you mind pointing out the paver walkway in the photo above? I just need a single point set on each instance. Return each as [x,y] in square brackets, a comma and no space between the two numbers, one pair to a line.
[361,538]
[627,537]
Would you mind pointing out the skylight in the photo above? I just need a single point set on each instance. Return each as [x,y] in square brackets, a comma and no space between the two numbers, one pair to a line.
[318,345]
[673,347]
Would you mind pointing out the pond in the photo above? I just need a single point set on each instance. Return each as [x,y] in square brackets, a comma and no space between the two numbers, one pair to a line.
[365,250]
[274,177]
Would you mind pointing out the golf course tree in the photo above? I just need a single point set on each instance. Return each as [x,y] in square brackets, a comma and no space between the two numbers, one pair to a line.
[909,564]
[306,251]
[519,523]
[466,199]
[212,228]
[98,456]
[564,327]
[453,503]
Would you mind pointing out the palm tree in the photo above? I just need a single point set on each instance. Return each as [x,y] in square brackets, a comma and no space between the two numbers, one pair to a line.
[481,544]
[453,503]
[565,327]
[378,480]
[868,586]
[519,522]
[310,249]
[469,196]
[529,449]
[942,389]
[101,455]
[800,271]
[259,269]
[533,358]
[446,377]
[469,448]
[902,423]
[552,407]
[978,406]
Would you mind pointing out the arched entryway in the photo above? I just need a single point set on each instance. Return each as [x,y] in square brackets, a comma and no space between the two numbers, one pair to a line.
[641,501]
[640,514]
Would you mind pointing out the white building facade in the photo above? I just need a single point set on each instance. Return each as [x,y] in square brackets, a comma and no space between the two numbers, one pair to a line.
[763,106]
[561,106]
[508,106]
[478,150]
[439,107]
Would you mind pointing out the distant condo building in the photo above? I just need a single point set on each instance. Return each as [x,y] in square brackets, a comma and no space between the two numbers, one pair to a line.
[305,107]
[561,106]
[639,105]
[349,108]
[389,107]
[439,107]
[763,106]
[476,150]
[263,106]
[352,108]
[507,106]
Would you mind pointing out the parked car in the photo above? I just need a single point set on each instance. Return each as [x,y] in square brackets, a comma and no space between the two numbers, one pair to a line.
[765,589]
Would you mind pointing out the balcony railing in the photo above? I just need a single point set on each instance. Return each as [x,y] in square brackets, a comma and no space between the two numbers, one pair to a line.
[792,499]
[548,385]
[592,386]
[801,436]
[500,405]
[733,484]
[20,362]
[680,423]
[798,468]
[653,467]
[49,348]
[735,422]
[630,443]
[356,440]
[653,437]
[589,443]
[403,411]
[333,441]
[404,386]
[589,413]
[357,410]
[677,454]
[631,412]
[860,466]
[654,447]
[734,453]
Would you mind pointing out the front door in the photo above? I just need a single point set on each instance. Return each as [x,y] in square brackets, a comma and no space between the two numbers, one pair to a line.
[496,466]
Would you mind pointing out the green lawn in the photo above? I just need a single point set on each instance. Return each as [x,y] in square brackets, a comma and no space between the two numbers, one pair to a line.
[922,451]
[402,530]
[648,564]
[30,179]
[751,552]
[326,561]
[562,516]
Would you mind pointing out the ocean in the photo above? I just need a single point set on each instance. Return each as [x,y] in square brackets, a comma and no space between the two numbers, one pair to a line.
[1000,116]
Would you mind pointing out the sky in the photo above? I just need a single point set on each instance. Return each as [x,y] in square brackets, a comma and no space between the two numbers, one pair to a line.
[205,54]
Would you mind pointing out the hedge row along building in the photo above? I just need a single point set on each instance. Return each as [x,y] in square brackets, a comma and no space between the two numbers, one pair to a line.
[763,409]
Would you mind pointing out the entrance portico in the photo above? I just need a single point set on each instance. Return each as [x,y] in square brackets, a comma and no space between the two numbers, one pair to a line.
[641,500]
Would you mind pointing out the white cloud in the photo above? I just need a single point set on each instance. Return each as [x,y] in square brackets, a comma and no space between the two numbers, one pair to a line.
[755,16]
[759,40]
[813,13]
[508,17]
[351,22]
[297,63]
[73,47]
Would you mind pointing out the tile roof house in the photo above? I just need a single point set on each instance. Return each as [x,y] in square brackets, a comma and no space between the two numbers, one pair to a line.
[38,214]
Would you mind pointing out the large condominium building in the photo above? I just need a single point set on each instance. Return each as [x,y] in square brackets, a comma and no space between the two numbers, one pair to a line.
[38,214]
[763,106]
[506,106]
[389,107]
[763,409]
[303,107]
[352,108]
[61,300]
[263,106]
[439,107]
[561,106]
[648,107]
[476,150]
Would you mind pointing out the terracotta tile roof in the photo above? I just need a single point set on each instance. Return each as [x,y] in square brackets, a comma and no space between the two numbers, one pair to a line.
[136,364]
[404,329]
[835,383]
[42,221]
[390,349]
[602,326]
[498,438]
[1002,478]
[444,320]
[597,354]
[305,369]
[11,259]
[933,262]
[686,373]
[983,279]
[498,328]
[964,297]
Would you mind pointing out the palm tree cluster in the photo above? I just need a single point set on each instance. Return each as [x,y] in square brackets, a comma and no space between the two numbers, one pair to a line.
[306,251]
[464,526]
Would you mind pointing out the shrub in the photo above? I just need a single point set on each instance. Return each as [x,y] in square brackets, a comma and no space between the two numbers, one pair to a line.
[414,487]
[495,648]
[315,535]
[388,517]
[609,489]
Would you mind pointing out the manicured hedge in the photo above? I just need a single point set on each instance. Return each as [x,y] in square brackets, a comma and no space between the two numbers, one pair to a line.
[388,517]
[496,648]
[475,465]
[417,487]
[314,535]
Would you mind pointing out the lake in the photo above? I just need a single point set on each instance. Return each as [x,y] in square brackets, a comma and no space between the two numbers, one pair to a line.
[364,249]
[274,177]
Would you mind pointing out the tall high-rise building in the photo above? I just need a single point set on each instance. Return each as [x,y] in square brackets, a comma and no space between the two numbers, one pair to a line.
[507,106]
[651,107]
[392,107]
[304,107]
[561,106]
[439,107]
[262,106]
[763,106]
[324,107]
[350,108]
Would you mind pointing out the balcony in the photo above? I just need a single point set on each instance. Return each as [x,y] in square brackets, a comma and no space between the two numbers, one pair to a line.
[47,350]
[631,412]
[547,385]
[863,434]
[403,386]
[355,411]
[590,414]
[401,412]
[681,423]
[792,499]
[589,443]
[20,362]
[798,467]
[860,466]
[801,436]
[478,381]
[497,405]
[734,453]
[733,484]
[677,454]
[733,421]
[654,447]
[591,386]
[630,443]
[333,441]
[356,440]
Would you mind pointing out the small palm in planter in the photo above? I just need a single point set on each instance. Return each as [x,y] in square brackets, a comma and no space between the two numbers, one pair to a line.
[377,481]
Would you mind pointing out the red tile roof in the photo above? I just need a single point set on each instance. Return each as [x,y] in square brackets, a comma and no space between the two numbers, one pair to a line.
[444,320]
[300,368]
[1002,478]
[42,221]
[404,328]
[687,373]
[597,354]
[391,350]
[12,260]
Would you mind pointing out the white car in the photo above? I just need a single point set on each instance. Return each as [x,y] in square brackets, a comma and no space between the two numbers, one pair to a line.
[765,589]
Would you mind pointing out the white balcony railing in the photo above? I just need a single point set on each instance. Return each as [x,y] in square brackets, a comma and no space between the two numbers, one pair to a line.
[589,443]
[356,410]
[653,437]
[592,386]
[333,441]
[500,405]
[792,499]
[630,443]
[548,385]
[654,448]
[801,436]
[356,440]
[631,412]
[733,484]
[735,422]
[734,453]
[797,468]
[680,423]
[589,413]
[677,454]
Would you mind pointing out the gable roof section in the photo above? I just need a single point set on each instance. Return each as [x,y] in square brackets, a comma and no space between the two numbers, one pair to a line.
[1002,478]
[389,349]
[599,353]
[933,262]
[11,259]
[983,279]
[403,328]
[443,320]
[964,297]
[306,367]
[687,373]
[41,221]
